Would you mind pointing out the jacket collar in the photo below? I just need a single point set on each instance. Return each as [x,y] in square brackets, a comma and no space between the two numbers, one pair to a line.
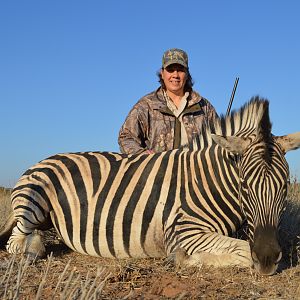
[192,106]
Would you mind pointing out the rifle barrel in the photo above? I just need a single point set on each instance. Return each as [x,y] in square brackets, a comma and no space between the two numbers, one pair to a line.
[232,95]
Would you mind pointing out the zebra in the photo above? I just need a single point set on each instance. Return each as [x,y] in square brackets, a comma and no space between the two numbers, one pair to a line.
[186,204]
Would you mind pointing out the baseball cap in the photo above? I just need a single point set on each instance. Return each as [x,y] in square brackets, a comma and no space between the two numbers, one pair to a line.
[175,56]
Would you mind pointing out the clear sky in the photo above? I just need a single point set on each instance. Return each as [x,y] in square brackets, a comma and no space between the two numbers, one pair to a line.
[70,71]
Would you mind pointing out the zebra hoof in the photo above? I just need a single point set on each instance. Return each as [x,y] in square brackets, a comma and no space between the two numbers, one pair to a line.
[34,247]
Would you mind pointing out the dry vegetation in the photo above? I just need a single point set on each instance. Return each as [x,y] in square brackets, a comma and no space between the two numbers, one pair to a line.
[69,275]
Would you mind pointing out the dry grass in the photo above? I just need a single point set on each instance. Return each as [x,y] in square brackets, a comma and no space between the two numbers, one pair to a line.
[5,212]
[69,275]
[23,279]
[5,207]
[74,276]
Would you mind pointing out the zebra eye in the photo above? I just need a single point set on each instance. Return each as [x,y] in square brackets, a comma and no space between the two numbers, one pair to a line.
[242,181]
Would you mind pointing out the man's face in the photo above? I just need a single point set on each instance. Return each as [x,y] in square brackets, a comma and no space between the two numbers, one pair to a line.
[174,77]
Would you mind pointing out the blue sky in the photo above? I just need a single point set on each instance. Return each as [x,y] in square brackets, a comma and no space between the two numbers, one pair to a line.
[70,71]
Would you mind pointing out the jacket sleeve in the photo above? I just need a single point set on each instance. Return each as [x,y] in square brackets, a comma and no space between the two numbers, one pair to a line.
[133,133]
[210,111]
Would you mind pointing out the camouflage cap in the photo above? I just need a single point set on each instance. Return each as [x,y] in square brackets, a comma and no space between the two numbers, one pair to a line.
[175,56]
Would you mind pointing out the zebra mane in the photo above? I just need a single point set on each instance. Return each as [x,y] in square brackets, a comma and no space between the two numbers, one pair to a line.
[250,121]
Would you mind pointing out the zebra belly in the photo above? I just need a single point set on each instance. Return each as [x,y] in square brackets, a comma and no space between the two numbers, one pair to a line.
[118,238]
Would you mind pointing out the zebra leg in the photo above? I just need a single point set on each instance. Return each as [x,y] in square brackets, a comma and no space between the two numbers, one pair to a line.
[29,215]
[225,251]
[29,244]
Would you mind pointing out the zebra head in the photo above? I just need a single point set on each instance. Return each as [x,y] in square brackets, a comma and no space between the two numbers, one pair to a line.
[263,180]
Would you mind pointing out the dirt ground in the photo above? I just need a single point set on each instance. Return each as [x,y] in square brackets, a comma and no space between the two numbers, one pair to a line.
[69,275]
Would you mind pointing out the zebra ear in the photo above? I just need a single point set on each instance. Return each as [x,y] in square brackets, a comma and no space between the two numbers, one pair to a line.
[234,144]
[288,142]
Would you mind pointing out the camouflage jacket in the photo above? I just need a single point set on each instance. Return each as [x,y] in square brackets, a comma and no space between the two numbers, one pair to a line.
[150,125]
